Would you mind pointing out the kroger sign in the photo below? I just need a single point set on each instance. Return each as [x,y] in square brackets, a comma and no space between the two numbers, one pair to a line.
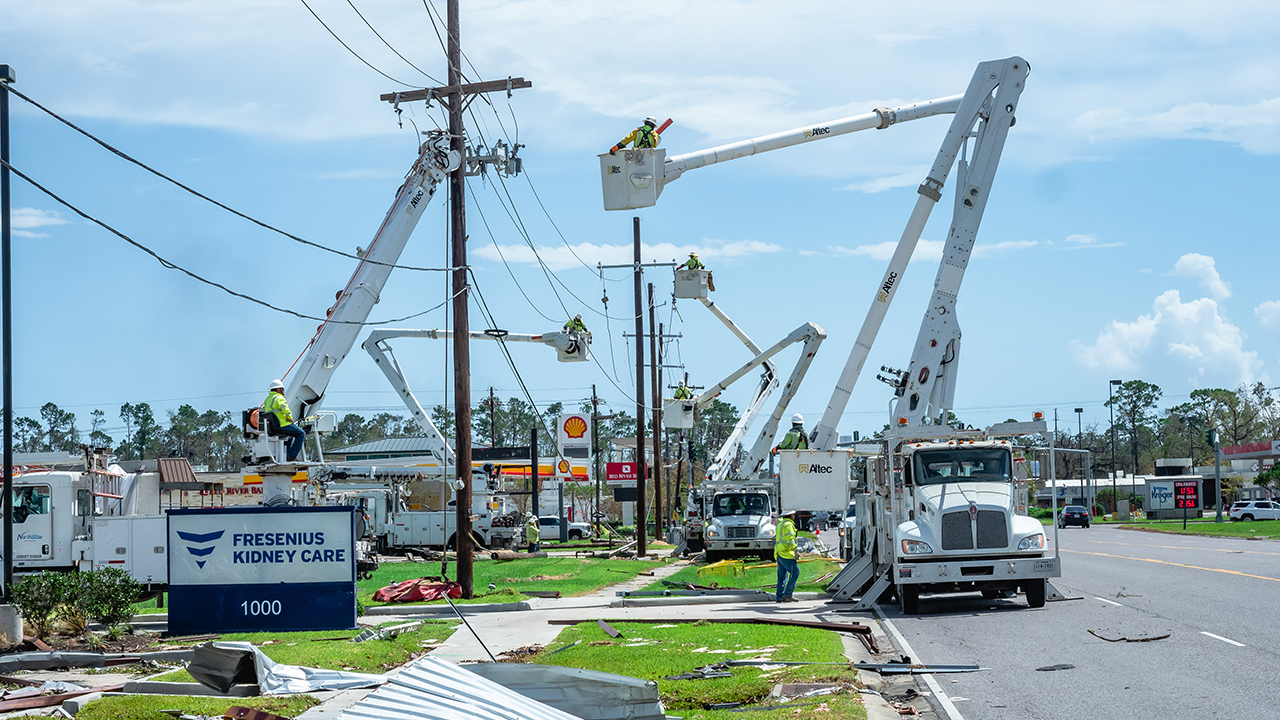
[250,568]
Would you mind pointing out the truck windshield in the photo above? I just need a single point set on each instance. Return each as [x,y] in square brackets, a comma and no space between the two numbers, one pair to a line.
[937,467]
[741,505]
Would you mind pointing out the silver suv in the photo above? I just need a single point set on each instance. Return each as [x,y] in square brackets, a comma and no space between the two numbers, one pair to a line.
[549,528]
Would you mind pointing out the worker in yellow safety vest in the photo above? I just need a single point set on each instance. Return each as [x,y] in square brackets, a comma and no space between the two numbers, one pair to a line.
[645,136]
[683,393]
[275,403]
[531,532]
[784,553]
[575,324]
[796,438]
[693,263]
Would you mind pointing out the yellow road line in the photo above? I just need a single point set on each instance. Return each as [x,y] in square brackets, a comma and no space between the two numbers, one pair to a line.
[1185,547]
[1166,562]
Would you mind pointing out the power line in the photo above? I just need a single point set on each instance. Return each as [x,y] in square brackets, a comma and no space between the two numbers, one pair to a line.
[172,266]
[397,52]
[353,52]
[202,196]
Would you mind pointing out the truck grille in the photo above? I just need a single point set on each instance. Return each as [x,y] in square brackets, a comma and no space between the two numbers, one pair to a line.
[992,531]
[956,531]
[741,532]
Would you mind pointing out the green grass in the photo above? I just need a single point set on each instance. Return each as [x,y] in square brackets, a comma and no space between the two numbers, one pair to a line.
[373,656]
[759,578]
[670,651]
[571,576]
[148,707]
[1257,528]
[150,607]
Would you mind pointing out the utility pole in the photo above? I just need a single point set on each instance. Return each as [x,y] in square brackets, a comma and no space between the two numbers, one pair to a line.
[493,419]
[455,97]
[656,395]
[535,492]
[661,432]
[1115,494]
[6,77]
[641,529]
[595,454]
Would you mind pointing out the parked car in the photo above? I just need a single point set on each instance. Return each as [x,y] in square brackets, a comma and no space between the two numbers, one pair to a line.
[549,526]
[1255,510]
[1074,515]
[848,530]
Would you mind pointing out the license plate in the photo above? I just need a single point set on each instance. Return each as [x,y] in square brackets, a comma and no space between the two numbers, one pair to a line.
[1043,565]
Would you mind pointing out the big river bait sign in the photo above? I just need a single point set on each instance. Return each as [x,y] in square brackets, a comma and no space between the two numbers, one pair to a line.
[251,568]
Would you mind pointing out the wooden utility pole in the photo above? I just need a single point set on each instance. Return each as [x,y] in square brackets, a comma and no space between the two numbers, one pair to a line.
[7,76]
[493,419]
[641,519]
[455,97]
[656,396]
[595,454]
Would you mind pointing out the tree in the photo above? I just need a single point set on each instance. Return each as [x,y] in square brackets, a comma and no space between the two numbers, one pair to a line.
[27,434]
[142,434]
[1135,402]
[1269,479]
[60,429]
[97,437]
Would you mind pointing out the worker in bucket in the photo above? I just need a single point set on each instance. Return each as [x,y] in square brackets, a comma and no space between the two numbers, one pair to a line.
[531,532]
[275,403]
[645,136]
[784,553]
[683,393]
[796,438]
[575,327]
[693,263]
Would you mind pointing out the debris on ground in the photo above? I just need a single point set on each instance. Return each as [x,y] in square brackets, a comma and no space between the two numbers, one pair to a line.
[608,629]
[1059,666]
[706,672]
[386,632]
[520,654]
[418,590]
[1131,639]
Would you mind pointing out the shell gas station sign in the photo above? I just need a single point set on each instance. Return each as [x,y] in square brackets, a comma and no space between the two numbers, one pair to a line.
[573,436]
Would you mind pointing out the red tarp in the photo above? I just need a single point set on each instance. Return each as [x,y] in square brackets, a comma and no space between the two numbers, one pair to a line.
[418,589]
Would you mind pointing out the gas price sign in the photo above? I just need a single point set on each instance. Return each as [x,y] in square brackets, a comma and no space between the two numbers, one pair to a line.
[1186,494]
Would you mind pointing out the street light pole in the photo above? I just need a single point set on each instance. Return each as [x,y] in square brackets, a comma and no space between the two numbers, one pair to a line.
[1115,493]
[1080,444]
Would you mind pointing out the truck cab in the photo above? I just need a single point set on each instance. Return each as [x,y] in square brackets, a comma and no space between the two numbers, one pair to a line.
[959,527]
[739,522]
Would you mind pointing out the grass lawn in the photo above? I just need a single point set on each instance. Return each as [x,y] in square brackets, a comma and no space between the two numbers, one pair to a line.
[373,656]
[148,707]
[1257,528]
[652,652]
[759,578]
[571,576]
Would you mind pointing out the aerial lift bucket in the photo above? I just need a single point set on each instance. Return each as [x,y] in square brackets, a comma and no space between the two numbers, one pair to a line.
[692,284]
[677,414]
[632,178]
[568,349]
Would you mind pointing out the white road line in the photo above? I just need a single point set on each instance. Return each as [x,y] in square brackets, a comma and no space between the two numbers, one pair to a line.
[1225,640]
[943,699]
[1113,602]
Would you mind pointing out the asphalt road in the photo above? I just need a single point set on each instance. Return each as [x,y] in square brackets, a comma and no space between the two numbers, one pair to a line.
[1216,597]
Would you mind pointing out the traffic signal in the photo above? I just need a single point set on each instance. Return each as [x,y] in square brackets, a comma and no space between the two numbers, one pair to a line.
[1211,436]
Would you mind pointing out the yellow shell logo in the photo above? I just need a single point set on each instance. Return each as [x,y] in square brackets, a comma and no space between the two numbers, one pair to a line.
[564,467]
[575,427]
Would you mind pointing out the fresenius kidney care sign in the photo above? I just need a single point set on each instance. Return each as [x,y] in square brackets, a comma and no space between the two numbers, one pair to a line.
[250,568]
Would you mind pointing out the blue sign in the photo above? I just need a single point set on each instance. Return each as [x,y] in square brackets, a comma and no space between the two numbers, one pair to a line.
[255,568]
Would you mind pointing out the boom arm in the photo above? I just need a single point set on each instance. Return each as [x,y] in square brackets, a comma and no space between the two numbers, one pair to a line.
[334,339]
[991,102]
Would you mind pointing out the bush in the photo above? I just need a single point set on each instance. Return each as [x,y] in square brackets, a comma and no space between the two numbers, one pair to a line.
[38,597]
[109,595]
[73,607]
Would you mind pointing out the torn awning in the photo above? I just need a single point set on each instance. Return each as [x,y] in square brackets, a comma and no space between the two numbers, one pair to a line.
[432,688]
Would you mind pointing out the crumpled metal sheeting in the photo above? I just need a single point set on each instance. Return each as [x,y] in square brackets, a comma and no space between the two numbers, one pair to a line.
[279,679]
[586,694]
[57,659]
[432,688]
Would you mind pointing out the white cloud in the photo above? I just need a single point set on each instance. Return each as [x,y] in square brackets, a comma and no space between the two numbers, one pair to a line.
[1001,248]
[1189,334]
[1202,268]
[1254,127]
[907,178]
[563,257]
[25,218]
[926,250]
[1082,239]
[1268,313]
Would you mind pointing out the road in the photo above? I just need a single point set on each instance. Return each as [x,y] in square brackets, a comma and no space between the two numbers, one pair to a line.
[1215,596]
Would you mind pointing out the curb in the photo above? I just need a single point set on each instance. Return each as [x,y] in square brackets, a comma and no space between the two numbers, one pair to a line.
[878,708]
[400,611]
[763,597]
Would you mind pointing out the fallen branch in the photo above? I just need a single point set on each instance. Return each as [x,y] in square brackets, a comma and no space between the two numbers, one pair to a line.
[1129,639]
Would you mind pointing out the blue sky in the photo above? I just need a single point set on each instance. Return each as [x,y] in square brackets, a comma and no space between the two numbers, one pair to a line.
[1129,232]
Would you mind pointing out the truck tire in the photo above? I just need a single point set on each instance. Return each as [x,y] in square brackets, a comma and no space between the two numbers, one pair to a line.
[1035,594]
[715,555]
[1246,518]
[694,545]
[575,535]
[910,595]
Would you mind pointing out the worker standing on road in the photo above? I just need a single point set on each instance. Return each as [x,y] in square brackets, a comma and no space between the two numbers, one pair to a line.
[784,553]
[531,532]
[275,403]
[693,263]
[796,438]
[645,136]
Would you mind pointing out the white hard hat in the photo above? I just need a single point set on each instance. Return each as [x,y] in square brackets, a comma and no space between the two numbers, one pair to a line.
[651,120]
[797,419]
[277,384]
[578,316]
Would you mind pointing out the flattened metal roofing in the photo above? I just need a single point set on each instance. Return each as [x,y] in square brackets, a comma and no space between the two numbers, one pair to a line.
[434,689]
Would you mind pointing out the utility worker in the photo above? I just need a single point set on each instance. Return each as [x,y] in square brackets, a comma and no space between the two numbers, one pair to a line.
[575,324]
[645,136]
[693,263]
[531,532]
[796,438]
[683,392]
[784,553]
[275,403]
